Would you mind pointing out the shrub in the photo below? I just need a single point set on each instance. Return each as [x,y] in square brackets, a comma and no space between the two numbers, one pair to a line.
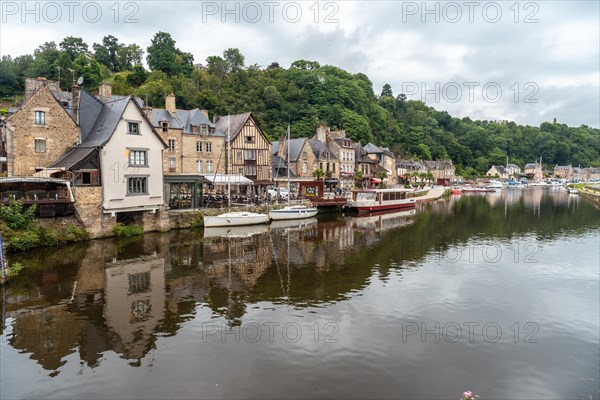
[15,217]
[122,230]
[12,271]
[72,233]
[198,221]
[23,240]
[48,237]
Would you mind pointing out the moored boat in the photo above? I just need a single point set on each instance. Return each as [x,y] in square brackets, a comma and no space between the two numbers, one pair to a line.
[381,199]
[238,218]
[293,212]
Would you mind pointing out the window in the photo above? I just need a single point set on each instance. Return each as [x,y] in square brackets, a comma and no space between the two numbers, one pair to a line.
[172,164]
[172,144]
[87,178]
[133,128]
[249,139]
[199,166]
[199,147]
[40,118]
[40,145]
[208,147]
[238,156]
[138,158]
[304,168]
[250,170]
[250,155]
[137,186]
[209,166]
[204,130]
[165,127]
[304,155]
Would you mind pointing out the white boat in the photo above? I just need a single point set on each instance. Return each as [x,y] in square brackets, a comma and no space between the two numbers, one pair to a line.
[495,185]
[293,212]
[238,218]
[571,190]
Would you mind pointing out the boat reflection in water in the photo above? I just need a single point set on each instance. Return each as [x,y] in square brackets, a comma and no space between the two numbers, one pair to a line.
[383,220]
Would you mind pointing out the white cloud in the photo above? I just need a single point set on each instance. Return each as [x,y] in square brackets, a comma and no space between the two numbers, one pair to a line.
[385,39]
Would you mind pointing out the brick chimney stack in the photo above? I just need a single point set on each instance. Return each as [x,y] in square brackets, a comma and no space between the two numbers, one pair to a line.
[170,104]
[105,91]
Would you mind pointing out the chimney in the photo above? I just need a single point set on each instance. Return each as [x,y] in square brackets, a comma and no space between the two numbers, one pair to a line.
[322,133]
[205,112]
[75,94]
[282,152]
[170,104]
[105,91]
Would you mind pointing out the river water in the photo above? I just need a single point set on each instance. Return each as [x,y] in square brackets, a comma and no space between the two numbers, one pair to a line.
[496,293]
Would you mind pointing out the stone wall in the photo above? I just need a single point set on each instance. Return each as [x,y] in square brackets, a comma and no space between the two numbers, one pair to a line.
[88,206]
[59,131]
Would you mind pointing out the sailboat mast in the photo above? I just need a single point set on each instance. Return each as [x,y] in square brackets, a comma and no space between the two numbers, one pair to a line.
[288,163]
[229,161]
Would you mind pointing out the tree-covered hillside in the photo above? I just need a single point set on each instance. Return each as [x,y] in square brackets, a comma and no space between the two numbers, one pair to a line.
[306,94]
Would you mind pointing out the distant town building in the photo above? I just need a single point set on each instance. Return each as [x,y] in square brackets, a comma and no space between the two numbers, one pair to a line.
[563,171]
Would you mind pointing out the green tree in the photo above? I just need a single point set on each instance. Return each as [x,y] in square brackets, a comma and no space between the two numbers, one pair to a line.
[318,174]
[164,56]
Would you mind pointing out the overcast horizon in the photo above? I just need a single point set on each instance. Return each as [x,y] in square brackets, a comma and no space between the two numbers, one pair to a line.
[527,62]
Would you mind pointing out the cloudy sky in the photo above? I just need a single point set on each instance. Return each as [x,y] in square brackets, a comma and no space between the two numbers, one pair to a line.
[524,61]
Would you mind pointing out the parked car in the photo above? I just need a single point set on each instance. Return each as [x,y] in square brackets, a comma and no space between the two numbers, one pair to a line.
[283,193]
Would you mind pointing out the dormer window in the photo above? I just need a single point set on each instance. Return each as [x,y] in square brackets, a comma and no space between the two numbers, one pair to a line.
[203,129]
[165,127]
[40,118]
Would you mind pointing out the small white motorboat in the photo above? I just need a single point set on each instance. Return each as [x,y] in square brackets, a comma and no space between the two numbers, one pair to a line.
[239,218]
[293,212]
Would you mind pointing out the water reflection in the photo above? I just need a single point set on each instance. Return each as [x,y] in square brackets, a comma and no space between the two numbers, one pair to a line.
[121,296]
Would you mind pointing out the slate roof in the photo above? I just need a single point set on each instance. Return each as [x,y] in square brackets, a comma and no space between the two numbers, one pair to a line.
[372,149]
[104,124]
[160,115]
[437,165]
[320,149]
[563,167]
[295,147]
[513,166]
[73,157]
[501,170]
[531,165]
[195,117]
[280,169]
[237,122]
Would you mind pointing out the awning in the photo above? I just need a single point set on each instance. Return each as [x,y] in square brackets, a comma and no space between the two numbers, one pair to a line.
[375,180]
[224,179]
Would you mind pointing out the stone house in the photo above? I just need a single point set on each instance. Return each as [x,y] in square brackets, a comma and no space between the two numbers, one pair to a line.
[250,149]
[442,170]
[563,171]
[534,171]
[194,148]
[498,171]
[327,161]
[300,158]
[386,159]
[513,170]
[591,174]
[405,170]
[38,133]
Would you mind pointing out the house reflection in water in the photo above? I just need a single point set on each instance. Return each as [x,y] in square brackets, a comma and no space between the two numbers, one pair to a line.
[135,302]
